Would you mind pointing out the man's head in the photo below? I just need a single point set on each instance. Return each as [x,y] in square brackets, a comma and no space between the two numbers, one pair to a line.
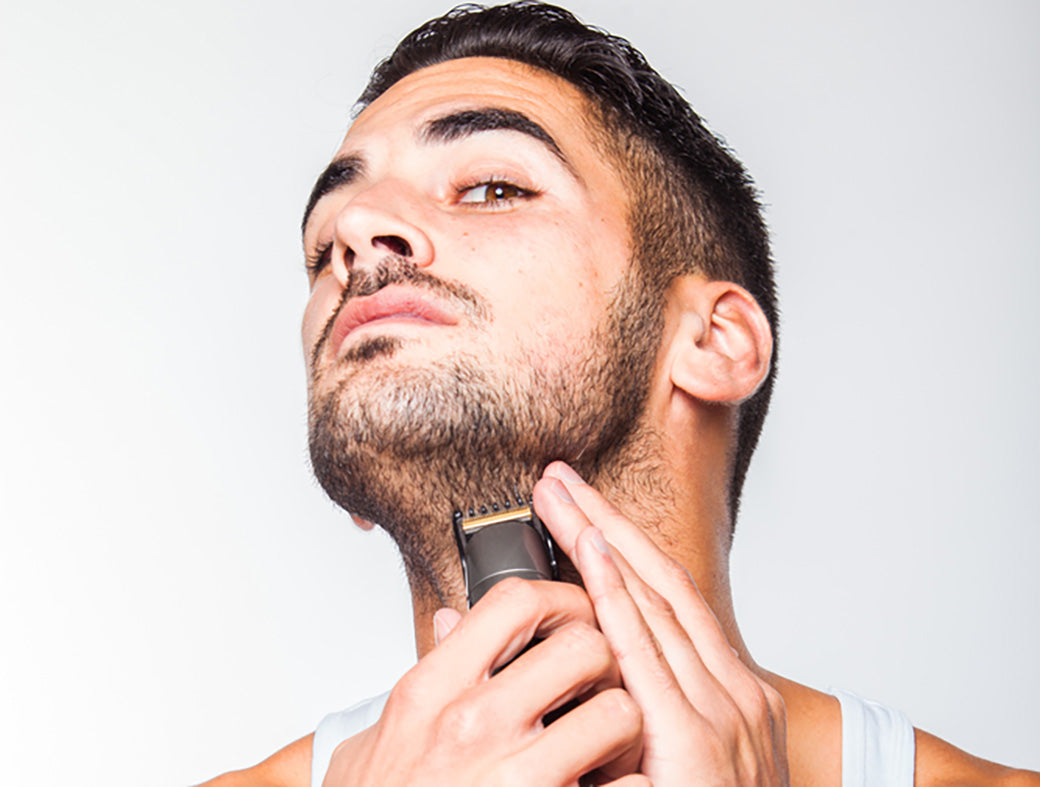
[491,249]
[692,207]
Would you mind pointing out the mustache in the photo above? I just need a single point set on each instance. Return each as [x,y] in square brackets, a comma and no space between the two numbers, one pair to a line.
[395,269]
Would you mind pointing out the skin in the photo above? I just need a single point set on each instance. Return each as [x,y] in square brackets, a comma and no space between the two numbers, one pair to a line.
[651,644]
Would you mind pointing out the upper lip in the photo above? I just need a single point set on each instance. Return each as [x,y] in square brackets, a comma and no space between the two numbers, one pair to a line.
[391,301]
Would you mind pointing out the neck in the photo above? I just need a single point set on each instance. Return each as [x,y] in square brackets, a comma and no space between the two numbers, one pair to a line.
[692,532]
[448,590]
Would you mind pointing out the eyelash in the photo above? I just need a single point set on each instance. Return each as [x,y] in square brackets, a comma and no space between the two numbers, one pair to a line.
[523,193]
[318,260]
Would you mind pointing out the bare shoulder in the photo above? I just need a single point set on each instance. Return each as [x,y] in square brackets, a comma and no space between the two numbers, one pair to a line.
[940,764]
[814,747]
[288,767]
[813,733]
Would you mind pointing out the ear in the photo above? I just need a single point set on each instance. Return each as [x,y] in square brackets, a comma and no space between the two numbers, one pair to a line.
[721,341]
[364,524]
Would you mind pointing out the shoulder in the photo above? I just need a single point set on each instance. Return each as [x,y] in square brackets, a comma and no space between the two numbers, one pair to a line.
[940,764]
[814,747]
[813,733]
[288,767]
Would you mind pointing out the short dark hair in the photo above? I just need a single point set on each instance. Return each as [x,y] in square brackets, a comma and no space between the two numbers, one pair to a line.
[692,207]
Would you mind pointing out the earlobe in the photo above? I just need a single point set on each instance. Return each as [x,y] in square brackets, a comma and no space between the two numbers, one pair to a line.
[722,344]
[364,524]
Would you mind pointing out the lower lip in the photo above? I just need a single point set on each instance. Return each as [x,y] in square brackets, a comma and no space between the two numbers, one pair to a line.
[386,322]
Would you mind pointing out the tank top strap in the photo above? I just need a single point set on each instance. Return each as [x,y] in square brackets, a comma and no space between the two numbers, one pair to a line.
[877,744]
[336,728]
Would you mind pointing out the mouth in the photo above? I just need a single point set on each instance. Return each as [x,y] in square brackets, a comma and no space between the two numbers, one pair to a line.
[393,305]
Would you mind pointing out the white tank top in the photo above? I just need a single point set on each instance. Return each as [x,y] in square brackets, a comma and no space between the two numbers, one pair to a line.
[877,743]
[336,728]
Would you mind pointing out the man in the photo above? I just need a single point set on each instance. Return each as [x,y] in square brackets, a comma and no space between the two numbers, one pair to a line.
[534,271]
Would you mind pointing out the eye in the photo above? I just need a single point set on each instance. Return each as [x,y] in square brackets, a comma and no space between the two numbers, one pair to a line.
[492,192]
[317,261]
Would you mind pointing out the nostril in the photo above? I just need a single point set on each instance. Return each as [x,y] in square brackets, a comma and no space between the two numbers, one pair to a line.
[395,244]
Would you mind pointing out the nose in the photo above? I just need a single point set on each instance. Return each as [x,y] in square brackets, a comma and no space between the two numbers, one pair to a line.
[375,223]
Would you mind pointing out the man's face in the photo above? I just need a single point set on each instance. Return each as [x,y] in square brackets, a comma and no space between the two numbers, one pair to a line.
[535,230]
[470,251]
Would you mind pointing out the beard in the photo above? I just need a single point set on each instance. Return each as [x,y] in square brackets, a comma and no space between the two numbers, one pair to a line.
[407,446]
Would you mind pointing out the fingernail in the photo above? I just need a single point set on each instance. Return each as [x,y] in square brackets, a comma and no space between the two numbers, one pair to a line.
[561,492]
[566,472]
[596,537]
[440,628]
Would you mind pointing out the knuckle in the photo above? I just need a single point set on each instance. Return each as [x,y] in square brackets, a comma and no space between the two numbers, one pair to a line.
[514,591]
[600,655]
[462,723]
[619,704]
[585,640]
[406,695]
[759,702]
[579,634]
[586,647]
[677,576]
[572,598]
[538,600]
[650,651]
[658,604]
[777,706]
[750,694]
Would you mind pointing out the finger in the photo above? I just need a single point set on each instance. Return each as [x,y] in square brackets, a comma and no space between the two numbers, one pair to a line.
[648,675]
[632,780]
[488,636]
[729,697]
[633,541]
[510,615]
[638,625]
[673,594]
[710,671]
[554,504]
[668,577]
[561,489]
[778,725]
[603,732]
[639,605]
[700,685]
[574,662]
[562,513]
[720,686]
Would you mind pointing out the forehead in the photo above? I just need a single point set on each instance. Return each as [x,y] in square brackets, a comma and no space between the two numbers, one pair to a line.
[551,102]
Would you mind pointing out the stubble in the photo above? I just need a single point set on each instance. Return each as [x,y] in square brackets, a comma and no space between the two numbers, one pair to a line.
[406,446]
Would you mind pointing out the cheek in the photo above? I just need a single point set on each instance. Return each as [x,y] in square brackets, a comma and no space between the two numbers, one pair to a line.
[555,316]
[320,307]
[579,255]
[552,286]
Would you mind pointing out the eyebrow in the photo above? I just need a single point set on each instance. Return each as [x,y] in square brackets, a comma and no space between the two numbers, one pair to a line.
[341,172]
[447,128]
[457,125]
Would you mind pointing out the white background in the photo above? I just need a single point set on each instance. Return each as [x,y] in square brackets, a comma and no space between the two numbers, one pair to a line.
[178,598]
